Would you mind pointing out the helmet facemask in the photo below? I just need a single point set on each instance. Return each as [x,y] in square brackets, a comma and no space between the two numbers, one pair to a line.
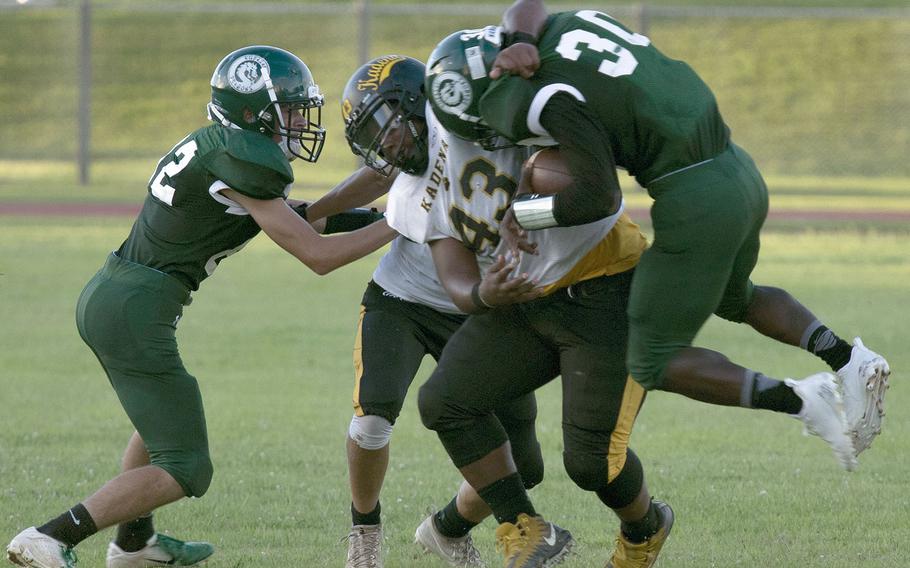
[388,134]
[298,124]
[384,110]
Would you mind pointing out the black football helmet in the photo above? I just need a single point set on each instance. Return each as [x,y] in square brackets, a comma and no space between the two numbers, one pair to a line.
[457,75]
[384,111]
[256,87]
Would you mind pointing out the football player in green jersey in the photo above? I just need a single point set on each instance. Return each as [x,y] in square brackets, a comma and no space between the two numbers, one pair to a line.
[207,198]
[609,98]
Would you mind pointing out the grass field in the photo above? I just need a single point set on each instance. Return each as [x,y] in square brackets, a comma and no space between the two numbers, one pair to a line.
[821,104]
[270,344]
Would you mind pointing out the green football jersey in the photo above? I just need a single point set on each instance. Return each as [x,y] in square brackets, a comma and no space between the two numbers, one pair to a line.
[186,226]
[658,114]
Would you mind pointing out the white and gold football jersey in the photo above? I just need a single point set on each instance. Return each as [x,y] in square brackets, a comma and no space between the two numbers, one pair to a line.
[465,193]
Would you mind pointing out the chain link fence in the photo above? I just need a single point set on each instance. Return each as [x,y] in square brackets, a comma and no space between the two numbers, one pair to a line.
[808,91]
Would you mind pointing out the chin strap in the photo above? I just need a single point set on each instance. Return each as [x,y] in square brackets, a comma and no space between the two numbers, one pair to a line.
[283,129]
[215,116]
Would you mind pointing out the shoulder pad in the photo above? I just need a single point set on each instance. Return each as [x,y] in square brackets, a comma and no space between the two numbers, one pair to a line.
[505,106]
[247,162]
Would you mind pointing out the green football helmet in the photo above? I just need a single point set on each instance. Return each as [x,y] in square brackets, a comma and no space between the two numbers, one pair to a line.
[260,88]
[384,110]
[457,75]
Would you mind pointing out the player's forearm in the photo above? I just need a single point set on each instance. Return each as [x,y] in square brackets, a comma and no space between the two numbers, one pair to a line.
[595,193]
[360,188]
[458,272]
[337,251]
[321,254]
[525,16]
[585,203]
[462,293]
[325,254]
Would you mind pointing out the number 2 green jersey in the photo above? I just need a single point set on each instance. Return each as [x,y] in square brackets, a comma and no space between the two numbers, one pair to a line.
[658,114]
[186,226]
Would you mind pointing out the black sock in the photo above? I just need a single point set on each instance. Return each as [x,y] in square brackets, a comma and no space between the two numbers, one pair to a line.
[371,518]
[134,535]
[72,527]
[643,529]
[775,395]
[450,523]
[507,497]
[829,347]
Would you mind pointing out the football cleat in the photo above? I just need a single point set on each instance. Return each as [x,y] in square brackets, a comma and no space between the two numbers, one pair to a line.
[533,542]
[365,547]
[34,549]
[863,383]
[455,551]
[628,554]
[823,414]
[160,550]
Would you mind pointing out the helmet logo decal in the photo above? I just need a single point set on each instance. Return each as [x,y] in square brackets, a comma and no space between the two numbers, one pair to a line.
[346,108]
[475,62]
[246,73]
[452,92]
[378,72]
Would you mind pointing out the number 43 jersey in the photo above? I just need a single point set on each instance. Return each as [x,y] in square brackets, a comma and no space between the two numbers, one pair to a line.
[186,225]
[465,193]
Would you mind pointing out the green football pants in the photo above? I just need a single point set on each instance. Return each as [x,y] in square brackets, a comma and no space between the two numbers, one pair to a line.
[127,314]
[707,221]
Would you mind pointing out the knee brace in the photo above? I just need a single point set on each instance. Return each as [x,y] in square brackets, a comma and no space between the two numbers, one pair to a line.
[370,432]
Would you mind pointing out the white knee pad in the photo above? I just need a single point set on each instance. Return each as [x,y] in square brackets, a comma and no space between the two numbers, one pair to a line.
[370,432]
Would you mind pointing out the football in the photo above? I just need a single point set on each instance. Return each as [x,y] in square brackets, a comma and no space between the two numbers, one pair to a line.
[549,172]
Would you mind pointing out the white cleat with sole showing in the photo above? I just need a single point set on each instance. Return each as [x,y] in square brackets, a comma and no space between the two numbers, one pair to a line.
[823,415]
[455,551]
[34,549]
[863,382]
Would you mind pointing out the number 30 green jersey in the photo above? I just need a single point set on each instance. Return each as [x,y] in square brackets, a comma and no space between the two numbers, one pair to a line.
[186,225]
[658,114]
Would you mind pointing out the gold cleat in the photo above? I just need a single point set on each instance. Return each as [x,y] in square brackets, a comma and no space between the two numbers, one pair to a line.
[644,554]
[532,542]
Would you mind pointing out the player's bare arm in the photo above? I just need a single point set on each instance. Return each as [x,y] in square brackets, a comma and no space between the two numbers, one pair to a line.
[321,254]
[301,206]
[596,192]
[360,188]
[522,24]
[457,268]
